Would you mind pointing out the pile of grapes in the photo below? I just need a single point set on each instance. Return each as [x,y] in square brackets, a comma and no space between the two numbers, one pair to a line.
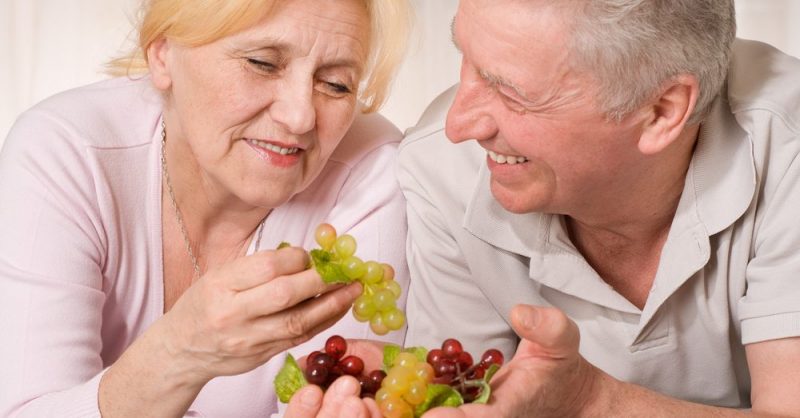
[323,367]
[336,262]
[413,380]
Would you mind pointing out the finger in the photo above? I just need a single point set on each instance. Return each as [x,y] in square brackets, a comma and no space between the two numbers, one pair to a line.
[263,266]
[304,320]
[283,293]
[372,408]
[341,400]
[544,332]
[305,402]
[463,411]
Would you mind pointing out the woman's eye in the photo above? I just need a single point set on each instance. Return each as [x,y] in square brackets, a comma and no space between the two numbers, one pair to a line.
[334,89]
[262,65]
[339,88]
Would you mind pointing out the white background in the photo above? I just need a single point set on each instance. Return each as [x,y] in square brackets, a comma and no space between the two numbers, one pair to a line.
[47,46]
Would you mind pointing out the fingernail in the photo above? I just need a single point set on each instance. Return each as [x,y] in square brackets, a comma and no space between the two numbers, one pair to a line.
[355,289]
[529,317]
[310,397]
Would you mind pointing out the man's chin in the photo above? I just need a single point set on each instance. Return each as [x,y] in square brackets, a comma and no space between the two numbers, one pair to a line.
[513,201]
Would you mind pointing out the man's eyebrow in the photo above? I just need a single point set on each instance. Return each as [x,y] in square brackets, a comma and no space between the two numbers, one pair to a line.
[453,33]
[497,80]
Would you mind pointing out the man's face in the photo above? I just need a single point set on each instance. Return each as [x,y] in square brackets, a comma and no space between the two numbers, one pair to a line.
[549,148]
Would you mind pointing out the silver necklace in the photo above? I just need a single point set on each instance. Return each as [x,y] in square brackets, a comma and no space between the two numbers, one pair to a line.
[178,217]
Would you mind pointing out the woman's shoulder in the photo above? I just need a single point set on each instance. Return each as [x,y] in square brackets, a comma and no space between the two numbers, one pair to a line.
[369,133]
[114,113]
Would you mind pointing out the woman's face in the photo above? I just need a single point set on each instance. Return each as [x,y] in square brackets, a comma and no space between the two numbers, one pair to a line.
[261,111]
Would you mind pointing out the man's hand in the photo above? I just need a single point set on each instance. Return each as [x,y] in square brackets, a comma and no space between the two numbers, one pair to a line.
[546,378]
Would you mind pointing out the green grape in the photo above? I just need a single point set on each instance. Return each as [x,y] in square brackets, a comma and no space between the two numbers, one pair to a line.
[388,272]
[394,287]
[416,392]
[325,235]
[398,380]
[395,407]
[345,246]
[424,371]
[374,272]
[353,267]
[364,307]
[394,319]
[382,394]
[384,300]
[336,262]
[377,326]
[405,360]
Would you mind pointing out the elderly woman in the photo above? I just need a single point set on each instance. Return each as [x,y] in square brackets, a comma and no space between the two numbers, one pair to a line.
[138,275]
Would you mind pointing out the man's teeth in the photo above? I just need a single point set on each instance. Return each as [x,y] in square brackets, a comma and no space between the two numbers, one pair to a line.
[272,147]
[506,159]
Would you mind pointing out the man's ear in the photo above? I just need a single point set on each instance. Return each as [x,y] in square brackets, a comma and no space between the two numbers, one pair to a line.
[668,114]
[157,63]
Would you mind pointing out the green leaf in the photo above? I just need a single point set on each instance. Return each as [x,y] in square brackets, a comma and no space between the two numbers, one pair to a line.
[485,392]
[328,269]
[289,379]
[283,244]
[439,395]
[390,352]
[420,352]
[487,377]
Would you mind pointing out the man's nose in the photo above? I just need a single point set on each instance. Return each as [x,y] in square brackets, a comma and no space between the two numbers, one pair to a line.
[470,115]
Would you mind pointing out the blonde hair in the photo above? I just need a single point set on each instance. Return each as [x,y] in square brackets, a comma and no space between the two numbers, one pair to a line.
[195,23]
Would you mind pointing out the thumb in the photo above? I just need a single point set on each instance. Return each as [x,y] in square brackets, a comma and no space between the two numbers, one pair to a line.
[305,403]
[545,332]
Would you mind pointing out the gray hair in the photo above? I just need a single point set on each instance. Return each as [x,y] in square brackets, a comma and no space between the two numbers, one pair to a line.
[633,46]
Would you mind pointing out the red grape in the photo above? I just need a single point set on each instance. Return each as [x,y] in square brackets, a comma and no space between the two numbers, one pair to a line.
[336,346]
[452,347]
[352,365]
[434,355]
[324,360]
[317,374]
[492,356]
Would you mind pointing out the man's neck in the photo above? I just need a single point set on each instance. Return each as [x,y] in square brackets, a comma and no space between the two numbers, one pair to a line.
[622,236]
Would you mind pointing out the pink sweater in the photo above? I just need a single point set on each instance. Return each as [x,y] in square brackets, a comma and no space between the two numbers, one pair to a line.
[80,245]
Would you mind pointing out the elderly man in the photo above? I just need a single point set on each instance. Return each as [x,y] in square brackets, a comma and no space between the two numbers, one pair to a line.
[604,167]
[619,212]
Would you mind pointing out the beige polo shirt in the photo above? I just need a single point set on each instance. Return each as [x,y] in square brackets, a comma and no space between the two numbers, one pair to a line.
[729,272]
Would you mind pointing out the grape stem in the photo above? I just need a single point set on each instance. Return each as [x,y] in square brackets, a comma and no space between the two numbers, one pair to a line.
[461,376]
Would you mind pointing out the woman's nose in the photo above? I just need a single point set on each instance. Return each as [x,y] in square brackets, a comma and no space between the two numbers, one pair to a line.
[294,107]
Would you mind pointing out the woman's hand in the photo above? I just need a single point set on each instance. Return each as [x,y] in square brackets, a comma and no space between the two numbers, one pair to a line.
[340,400]
[238,316]
[342,397]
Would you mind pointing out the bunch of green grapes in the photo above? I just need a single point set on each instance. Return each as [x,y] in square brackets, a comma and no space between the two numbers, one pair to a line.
[378,301]
[404,387]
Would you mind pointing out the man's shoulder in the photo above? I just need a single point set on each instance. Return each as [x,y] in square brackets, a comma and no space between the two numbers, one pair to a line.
[428,135]
[429,160]
[762,78]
